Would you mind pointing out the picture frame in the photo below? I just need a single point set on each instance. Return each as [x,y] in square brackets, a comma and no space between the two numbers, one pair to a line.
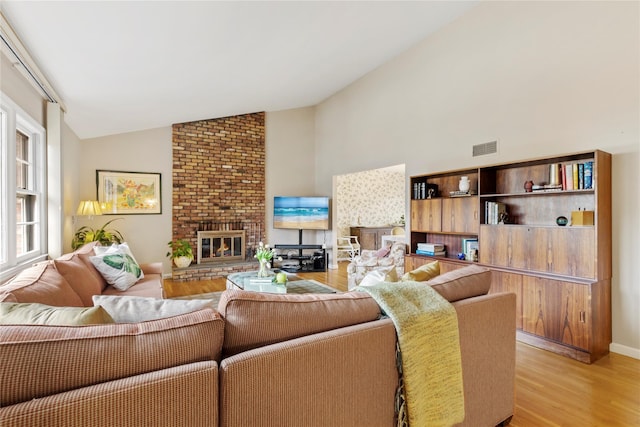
[129,193]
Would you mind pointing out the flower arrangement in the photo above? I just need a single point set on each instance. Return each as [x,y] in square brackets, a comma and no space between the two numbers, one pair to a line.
[264,255]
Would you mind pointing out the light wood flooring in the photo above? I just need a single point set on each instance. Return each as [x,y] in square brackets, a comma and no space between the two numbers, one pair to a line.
[551,390]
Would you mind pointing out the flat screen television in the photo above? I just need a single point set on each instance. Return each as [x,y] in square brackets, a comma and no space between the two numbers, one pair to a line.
[301,213]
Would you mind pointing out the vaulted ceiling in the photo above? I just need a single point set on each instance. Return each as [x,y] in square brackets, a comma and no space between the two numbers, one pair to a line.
[122,66]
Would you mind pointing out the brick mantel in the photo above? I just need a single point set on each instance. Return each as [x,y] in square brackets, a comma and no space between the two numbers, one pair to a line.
[218,173]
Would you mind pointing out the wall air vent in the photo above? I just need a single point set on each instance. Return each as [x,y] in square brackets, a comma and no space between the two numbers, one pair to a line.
[486,148]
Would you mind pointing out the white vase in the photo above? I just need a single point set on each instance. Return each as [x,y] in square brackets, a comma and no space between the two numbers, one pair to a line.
[463,185]
[182,261]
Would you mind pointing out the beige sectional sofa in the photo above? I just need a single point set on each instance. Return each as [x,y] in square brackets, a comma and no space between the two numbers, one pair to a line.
[72,280]
[258,360]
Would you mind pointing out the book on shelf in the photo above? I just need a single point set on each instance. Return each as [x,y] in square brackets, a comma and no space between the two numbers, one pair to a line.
[588,175]
[580,176]
[493,212]
[575,176]
[431,247]
[568,177]
[431,253]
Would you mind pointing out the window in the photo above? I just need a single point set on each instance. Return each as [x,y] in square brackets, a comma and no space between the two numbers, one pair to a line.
[22,189]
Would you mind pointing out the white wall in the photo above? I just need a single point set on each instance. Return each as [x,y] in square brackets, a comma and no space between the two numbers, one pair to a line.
[16,87]
[144,151]
[543,78]
[290,167]
[71,179]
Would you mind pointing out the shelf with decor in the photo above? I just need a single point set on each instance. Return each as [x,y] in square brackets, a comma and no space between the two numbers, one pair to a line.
[543,230]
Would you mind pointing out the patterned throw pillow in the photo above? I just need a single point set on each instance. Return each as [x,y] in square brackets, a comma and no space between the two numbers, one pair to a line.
[118,266]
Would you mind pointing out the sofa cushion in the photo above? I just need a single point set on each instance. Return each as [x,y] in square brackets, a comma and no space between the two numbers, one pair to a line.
[255,319]
[79,277]
[21,313]
[117,265]
[423,273]
[40,283]
[128,309]
[466,282]
[150,286]
[69,357]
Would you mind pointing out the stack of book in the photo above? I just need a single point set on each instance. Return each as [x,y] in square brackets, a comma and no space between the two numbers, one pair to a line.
[431,249]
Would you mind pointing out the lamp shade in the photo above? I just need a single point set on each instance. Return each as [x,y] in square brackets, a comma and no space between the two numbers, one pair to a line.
[89,208]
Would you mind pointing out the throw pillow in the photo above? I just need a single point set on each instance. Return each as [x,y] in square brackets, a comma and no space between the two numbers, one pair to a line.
[19,313]
[118,266]
[466,282]
[383,251]
[423,273]
[40,283]
[127,309]
[82,278]
[379,275]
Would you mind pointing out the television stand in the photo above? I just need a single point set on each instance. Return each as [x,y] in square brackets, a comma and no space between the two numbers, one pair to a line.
[309,258]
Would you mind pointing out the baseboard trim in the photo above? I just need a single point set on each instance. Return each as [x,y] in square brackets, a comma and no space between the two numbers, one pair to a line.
[624,350]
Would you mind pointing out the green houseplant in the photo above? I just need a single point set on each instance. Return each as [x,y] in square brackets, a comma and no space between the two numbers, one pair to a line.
[180,252]
[103,235]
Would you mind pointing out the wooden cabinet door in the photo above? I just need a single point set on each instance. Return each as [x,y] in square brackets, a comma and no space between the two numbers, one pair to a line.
[567,251]
[556,310]
[504,246]
[426,215]
[460,215]
[572,251]
[508,282]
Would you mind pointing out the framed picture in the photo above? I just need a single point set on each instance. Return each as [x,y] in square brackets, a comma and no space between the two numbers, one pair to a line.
[124,193]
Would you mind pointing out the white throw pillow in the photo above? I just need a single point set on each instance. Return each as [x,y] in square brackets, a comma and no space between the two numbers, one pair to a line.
[117,265]
[379,275]
[128,309]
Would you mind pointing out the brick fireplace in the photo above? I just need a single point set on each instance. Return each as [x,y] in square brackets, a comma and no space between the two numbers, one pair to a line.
[218,184]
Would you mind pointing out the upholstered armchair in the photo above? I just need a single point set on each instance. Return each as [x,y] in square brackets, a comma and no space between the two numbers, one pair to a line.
[369,260]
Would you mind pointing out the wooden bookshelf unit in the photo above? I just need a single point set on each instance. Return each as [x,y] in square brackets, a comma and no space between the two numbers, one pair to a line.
[560,274]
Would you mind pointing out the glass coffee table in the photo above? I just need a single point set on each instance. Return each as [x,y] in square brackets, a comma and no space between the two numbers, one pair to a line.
[249,281]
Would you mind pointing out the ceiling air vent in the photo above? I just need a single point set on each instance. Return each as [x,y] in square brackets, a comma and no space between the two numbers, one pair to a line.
[486,148]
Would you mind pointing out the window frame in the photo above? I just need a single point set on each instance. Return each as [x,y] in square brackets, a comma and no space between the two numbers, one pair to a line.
[14,119]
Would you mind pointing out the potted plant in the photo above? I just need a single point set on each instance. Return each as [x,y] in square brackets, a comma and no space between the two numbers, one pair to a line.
[181,253]
[103,235]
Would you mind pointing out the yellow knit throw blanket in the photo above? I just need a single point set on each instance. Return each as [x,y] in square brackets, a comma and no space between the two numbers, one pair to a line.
[427,329]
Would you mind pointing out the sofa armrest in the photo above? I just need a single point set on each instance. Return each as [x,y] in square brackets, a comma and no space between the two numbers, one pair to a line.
[346,375]
[487,329]
[185,395]
[151,268]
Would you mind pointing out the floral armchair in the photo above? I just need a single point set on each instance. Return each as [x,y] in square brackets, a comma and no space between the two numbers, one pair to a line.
[369,260]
